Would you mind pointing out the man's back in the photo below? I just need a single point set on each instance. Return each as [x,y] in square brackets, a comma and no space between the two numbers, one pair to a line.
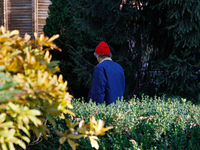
[108,82]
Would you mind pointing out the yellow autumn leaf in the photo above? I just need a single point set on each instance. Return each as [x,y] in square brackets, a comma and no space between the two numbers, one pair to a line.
[34,112]
[47,56]
[62,139]
[53,38]
[11,66]
[68,123]
[100,130]
[62,116]
[64,110]
[51,82]
[14,32]
[25,130]
[28,56]
[83,129]
[20,143]
[13,107]
[35,120]
[59,133]
[44,78]
[99,127]
[81,123]
[24,118]
[93,141]
[91,125]
[13,54]
[60,78]
[64,86]
[2,117]
[36,36]
[33,60]
[4,147]
[25,138]
[68,97]
[8,124]
[11,146]
[3,30]
[71,125]
[7,133]
[42,37]
[74,136]
[27,37]
[72,144]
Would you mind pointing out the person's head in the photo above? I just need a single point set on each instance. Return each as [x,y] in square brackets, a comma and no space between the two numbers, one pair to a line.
[102,51]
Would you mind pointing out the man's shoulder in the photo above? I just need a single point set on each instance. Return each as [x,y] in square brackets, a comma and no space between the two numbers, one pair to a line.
[105,63]
[108,63]
[99,67]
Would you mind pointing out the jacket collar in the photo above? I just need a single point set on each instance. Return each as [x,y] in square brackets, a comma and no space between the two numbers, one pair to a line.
[107,58]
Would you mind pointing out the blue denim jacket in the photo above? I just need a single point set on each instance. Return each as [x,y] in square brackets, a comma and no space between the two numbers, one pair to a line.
[108,83]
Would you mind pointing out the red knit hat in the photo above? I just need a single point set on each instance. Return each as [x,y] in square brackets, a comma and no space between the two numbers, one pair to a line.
[102,49]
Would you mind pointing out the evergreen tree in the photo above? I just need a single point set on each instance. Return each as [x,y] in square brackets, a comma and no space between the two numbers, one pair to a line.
[60,21]
[175,38]
[95,21]
[155,41]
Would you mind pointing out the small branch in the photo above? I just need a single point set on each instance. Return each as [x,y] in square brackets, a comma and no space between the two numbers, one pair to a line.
[38,140]
[80,55]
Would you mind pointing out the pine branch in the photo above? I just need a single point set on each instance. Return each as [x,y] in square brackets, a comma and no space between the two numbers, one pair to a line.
[80,55]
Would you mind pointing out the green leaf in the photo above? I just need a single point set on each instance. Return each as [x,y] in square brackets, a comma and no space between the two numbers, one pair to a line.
[8,95]
[14,54]
[51,120]
[4,86]
[4,76]
[53,63]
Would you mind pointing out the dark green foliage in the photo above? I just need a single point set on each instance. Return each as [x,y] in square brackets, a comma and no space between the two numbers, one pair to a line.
[179,77]
[82,25]
[6,90]
[154,123]
[176,37]
[60,21]
[148,38]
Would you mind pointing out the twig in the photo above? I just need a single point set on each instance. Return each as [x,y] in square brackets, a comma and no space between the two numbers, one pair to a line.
[38,140]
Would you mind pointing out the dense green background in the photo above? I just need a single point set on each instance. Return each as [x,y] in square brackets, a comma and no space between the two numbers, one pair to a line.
[156,42]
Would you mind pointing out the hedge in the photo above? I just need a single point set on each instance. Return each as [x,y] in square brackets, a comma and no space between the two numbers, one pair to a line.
[146,123]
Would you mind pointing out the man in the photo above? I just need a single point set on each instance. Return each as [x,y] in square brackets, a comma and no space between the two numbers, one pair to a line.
[108,78]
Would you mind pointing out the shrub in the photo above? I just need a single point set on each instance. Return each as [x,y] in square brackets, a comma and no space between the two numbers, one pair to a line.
[146,123]
[31,94]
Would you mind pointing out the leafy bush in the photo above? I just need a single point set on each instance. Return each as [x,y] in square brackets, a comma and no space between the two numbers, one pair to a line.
[31,94]
[146,123]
